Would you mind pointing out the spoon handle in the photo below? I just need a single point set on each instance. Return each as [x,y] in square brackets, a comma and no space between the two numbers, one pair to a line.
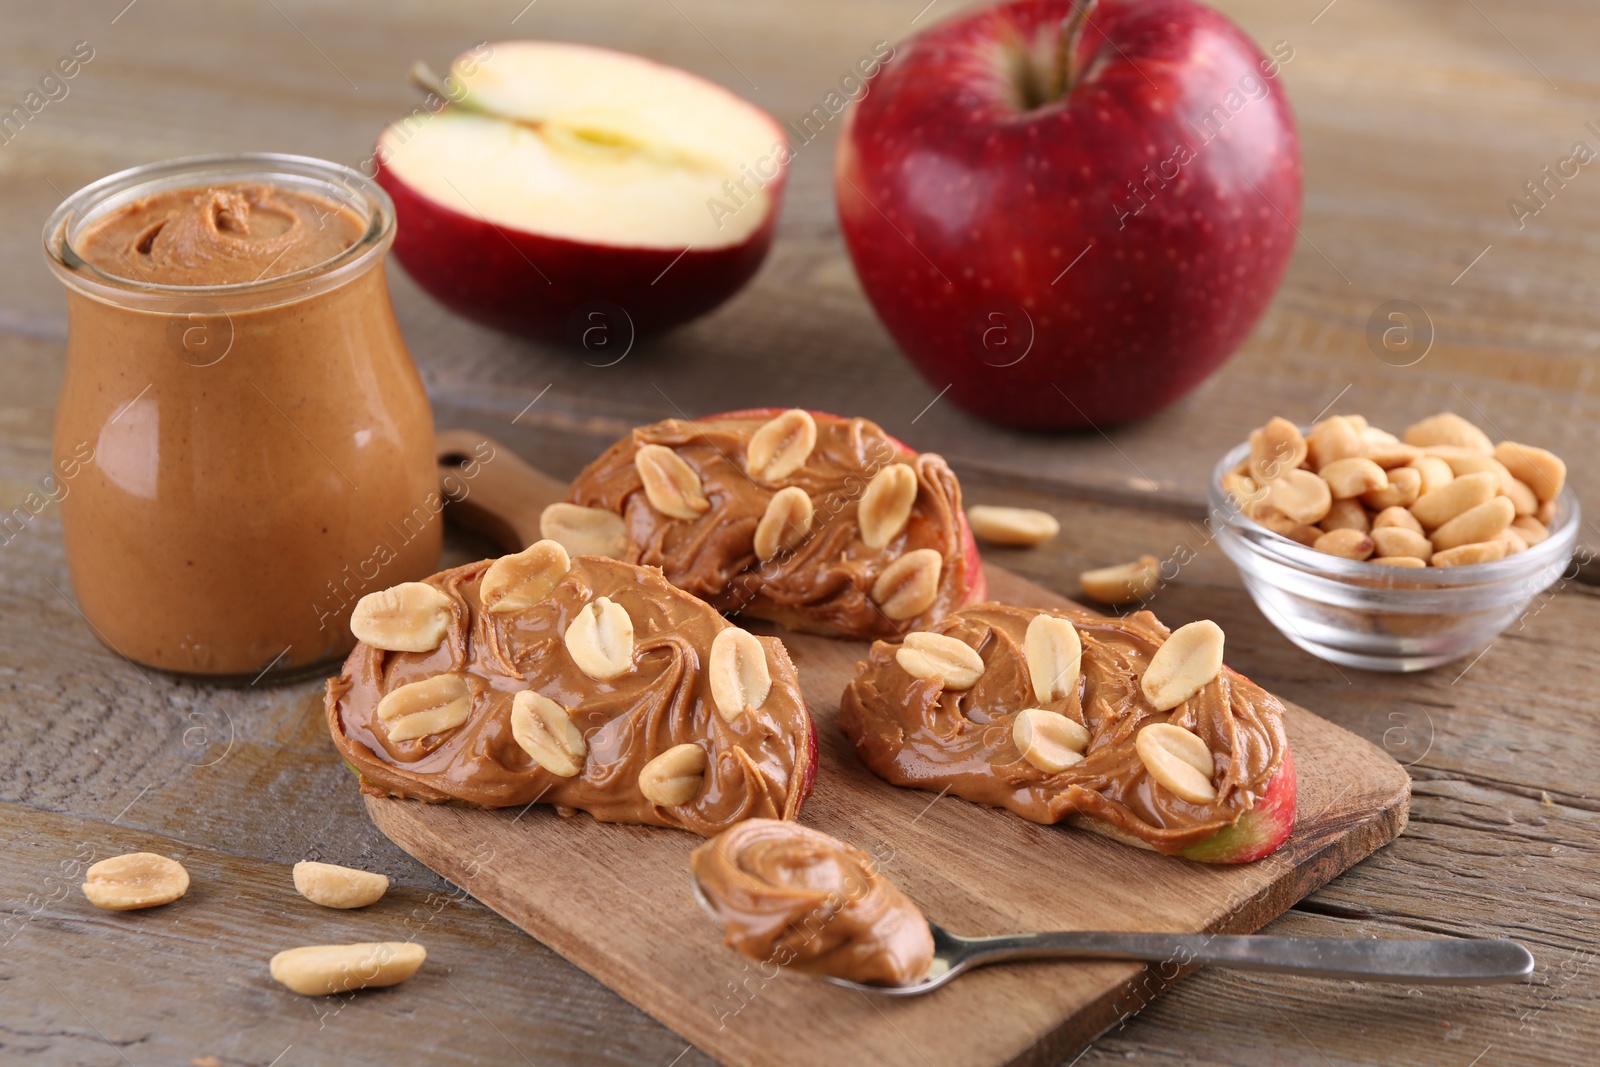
[1455,961]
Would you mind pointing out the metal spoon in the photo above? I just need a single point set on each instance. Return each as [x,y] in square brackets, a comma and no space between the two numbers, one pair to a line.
[1452,961]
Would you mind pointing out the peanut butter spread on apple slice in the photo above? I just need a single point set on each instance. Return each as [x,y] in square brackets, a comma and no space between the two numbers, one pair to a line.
[585,683]
[820,523]
[987,724]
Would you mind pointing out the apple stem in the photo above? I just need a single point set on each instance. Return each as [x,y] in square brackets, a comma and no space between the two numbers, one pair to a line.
[1066,74]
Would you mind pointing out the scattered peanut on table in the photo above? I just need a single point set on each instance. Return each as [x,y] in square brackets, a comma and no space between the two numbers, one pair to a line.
[1442,495]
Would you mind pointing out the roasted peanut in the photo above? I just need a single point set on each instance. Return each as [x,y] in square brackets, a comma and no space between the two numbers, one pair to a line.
[431,706]
[670,484]
[1541,471]
[1332,439]
[781,446]
[737,669]
[1481,523]
[1279,523]
[1436,473]
[1185,663]
[1352,477]
[585,531]
[1448,428]
[1462,494]
[1048,740]
[1468,555]
[1405,485]
[1478,462]
[320,970]
[674,778]
[908,586]
[1400,541]
[1350,544]
[1346,515]
[1177,759]
[1054,654]
[785,523]
[334,886]
[1275,450]
[523,579]
[1385,449]
[1301,495]
[886,504]
[135,880]
[1011,526]
[1531,529]
[1398,561]
[545,731]
[1125,583]
[1243,489]
[600,639]
[409,617]
[952,661]
[1401,517]
[1522,497]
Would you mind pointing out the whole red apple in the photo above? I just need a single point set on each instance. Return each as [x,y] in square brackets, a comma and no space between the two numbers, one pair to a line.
[1071,216]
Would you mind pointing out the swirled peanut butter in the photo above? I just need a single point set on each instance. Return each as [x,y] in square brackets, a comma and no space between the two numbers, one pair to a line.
[917,731]
[820,575]
[799,898]
[220,235]
[594,697]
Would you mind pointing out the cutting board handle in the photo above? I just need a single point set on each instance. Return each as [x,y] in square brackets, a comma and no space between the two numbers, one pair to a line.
[491,490]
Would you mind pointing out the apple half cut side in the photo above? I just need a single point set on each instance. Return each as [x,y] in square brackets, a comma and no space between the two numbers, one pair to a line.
[977,582]
[582,195]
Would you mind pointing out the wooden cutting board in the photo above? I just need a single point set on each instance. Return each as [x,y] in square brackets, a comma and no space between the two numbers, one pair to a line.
[615,900]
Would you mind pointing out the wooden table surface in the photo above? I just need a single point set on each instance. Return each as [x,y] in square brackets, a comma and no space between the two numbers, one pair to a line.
[1419,120]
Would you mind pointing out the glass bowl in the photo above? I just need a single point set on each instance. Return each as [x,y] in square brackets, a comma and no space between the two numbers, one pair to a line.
[1381,618]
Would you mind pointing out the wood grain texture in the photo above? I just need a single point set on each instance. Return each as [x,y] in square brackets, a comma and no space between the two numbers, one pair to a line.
[1418,122]
[615,900]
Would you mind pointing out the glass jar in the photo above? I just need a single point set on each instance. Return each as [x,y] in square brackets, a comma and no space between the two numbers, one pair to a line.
[241,462]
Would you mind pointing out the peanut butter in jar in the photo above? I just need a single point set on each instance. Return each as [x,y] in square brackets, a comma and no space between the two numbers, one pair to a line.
[251,445]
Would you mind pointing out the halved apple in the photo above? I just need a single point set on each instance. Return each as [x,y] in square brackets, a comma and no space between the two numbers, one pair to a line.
[567,188]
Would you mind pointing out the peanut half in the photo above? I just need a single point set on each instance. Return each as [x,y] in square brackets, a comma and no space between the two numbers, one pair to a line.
[1348,544]
[1469,555]
[135,880]
[428,707]
[952,661]
[545,731]
[1179,760]
[1539,470]
[1448,428]
[1353,477]
[1346,514]
[334,886]
[1184,664]
[1301,495]
[1275,450]
[737,667]
[1396,517]
[908,586]
[600,639]
[785,523]
[1054,654]
[1048,740]
[1481,523]
[585,531]
[1333,439]
[1405,485]
[671,485]
[674,778]
[409,617]
[320,970]
[1401,541]
[523,579]
[1462,494]
[886,504]
[781,446]
[1125,583]
[1436,473]
[1011,526]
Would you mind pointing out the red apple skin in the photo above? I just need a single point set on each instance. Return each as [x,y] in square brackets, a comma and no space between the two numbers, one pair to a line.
[1260,830]
[545,287]
[977,582]
[961,210]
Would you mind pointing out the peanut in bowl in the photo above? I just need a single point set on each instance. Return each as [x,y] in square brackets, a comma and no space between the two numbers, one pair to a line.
[1358,613]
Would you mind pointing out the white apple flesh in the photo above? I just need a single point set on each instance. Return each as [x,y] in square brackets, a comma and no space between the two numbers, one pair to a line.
[563,178]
